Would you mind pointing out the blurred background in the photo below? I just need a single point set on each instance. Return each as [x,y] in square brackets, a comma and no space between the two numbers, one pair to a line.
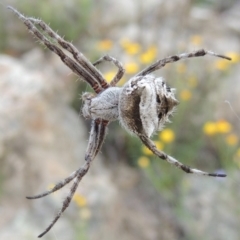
[128,193]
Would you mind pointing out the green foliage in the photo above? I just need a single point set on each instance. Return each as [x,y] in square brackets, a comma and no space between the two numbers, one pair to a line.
[71,17]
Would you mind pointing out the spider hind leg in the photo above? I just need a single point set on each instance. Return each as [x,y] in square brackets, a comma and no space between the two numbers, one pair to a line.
[97,135]
[150,144]
[58,186]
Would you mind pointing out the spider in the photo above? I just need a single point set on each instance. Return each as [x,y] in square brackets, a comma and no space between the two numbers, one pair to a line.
[142,105]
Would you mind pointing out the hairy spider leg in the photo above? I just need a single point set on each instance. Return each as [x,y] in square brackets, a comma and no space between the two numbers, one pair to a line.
[84,69]
[117,63]
[150,144]
[97,134]
[162,62]
[78,56]
[67,200]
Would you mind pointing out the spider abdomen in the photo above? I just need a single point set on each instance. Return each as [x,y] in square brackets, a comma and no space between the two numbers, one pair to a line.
[145,104]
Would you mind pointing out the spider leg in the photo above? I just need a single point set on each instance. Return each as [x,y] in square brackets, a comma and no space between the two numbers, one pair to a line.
[58,186]
[97,134]
[80,174]
[118,64]
[162,62]
[100,127]
[150,144]
[78,56]
[82,67]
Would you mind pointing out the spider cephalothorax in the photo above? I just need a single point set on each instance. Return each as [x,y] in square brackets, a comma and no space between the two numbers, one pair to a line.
[142,105]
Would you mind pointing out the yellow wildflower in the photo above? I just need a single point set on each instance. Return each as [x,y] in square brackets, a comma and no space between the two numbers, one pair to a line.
[210,128]
[223,126]
[109,76]
[80,200]
[167,135]
[185,95]
[181,68]
[234,56]
[143,162]
[133,48]
[232,139]
[130,47]
[131,68]
[105,45]
[149,55]
[196,40]
[222,64]
[146,150]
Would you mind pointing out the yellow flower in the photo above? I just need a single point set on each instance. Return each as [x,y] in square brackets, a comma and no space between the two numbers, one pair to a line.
[105,45]
[133,48]
[210,128]
[130,47]
[131,68]
[159,145]
[181,68]
[143,162]
[234,56]
[223,126]
[149,55]
[232,139]
[196,40]
[222,64]
[146,150]
[167,135]
[80,200]
[109,76]
[185,95]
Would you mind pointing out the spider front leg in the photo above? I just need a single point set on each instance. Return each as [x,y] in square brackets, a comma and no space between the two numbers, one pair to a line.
[78,56]
[81,66]
[150,144]
[161,63]
[118,64]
